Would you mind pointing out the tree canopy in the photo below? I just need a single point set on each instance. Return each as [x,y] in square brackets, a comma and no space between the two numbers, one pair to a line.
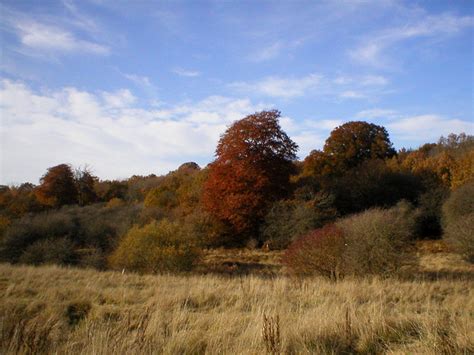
[58,187]
[354,142]
[254,160]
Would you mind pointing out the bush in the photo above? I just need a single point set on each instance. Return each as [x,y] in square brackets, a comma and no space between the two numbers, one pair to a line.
[458,221]
[206,230]
[87,227]
[460,236]
[156,247]
[428,213]
[459,204]
[26,231]
[376,240]
[372,184]
[318,253]
[49,251]
[290,219]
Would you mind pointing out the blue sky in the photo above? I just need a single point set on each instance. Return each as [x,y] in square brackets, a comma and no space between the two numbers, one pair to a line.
[139,87]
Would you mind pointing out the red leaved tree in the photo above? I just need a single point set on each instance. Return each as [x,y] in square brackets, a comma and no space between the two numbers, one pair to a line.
[58,187]
[254,160]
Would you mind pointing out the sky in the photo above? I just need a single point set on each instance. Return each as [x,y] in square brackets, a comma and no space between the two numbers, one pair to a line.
[140,87]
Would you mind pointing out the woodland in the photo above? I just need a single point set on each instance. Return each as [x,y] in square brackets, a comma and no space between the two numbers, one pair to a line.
[353,208]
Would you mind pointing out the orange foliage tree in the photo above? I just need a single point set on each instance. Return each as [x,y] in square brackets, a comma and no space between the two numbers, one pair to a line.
[254,160]
[57,187]
[354,142]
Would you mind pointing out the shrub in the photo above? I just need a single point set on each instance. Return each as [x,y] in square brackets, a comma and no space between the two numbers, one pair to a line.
[318,253]
[87,227]
[459,204]
[372,184]
[4,223]
[162,197]
[206,230]
[376,240]
[92,258]
[460,236]
[49,251]
[428,213]
[115,202]
[290,219]
[156,247]
[458,221]
[26,231]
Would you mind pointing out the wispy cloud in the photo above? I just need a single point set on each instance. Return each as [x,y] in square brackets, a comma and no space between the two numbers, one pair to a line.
[429,126]
[351,94]
[138,79]
[40,36]
[371,49]
[280,87]
[79,19]
[186,73]
[266,53]
[144,83]
[47,35]
[377,113]
[341,87]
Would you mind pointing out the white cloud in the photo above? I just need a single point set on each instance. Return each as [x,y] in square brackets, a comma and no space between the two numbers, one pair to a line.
[430,127]
[340,87]
[370,51]
[106,130]
[351,94]
[377,113]
[309,134]
[119,99]
[374,80]
[280,87]
[138,79]
[327,125]
[186,73]
[267,53]
[40,36]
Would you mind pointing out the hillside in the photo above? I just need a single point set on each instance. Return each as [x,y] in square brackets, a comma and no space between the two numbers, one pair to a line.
[50,309]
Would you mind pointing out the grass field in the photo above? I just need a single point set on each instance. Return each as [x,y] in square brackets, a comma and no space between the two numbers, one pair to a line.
[64,310]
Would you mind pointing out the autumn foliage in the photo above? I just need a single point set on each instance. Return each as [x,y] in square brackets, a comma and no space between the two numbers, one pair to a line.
[320,252]
[254,160]
[254,193]
[58,187]
[348,146]
[354,142]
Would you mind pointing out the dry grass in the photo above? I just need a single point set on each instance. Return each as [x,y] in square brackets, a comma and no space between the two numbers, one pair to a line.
[61,310]
[241,262]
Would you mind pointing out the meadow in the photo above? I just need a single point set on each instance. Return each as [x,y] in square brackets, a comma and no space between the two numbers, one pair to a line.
[52,309]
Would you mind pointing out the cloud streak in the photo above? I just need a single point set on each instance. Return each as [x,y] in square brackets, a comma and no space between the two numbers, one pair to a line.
[341,87]
[186,73]
[279,87]
[371,50]
[39,36]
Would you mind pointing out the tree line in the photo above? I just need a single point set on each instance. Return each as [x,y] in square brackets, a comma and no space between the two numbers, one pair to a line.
[255,192]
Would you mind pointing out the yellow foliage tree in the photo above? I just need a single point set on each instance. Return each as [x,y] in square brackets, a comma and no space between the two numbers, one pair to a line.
[156,247]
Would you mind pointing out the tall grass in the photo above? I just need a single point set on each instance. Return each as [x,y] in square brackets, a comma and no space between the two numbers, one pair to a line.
[63,310]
